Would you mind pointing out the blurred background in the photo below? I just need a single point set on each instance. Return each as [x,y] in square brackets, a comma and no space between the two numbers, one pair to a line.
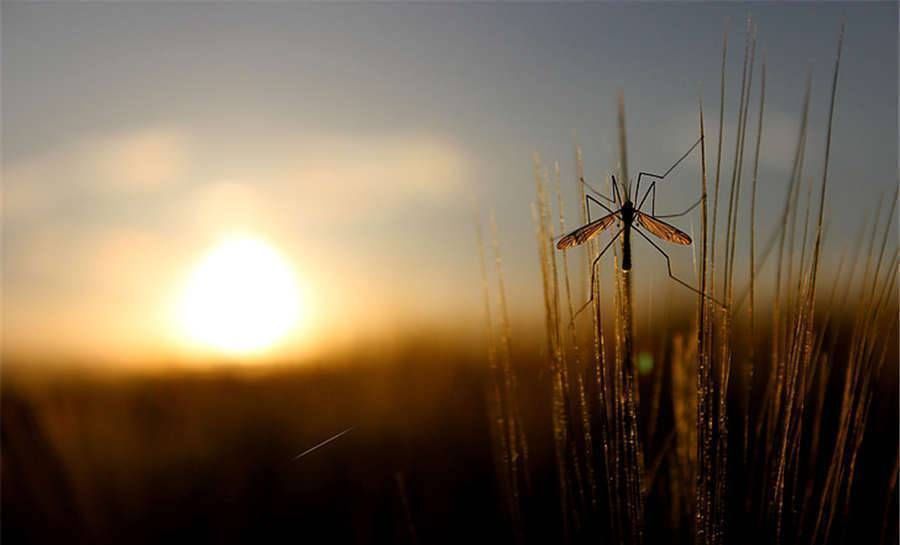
[233,230]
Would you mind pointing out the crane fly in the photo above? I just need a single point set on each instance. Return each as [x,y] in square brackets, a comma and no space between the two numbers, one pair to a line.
[631,217]
[627,215]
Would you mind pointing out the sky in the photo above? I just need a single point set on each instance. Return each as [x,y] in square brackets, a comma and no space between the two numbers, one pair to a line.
[361,140]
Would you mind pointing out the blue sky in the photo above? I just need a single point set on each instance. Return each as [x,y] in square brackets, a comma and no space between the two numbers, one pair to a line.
[358,136]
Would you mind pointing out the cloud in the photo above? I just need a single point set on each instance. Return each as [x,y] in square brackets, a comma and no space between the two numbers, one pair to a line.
[780,133]
[144,160]
[323,182]
[332,174]
[100,232]
[138,161]
[320,175]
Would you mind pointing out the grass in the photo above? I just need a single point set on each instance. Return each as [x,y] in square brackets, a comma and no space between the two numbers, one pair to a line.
[789,474]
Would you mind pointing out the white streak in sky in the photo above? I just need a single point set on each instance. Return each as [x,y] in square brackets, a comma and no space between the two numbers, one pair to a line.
[322,444]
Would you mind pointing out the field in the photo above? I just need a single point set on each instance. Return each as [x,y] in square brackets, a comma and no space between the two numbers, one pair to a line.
[208,457]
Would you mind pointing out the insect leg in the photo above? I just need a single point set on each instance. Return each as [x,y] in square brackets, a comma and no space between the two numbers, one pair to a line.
[663,175]
[650,191]
[616,190]
[695,205]
[672,275]
[592,199]
[594,272]
[595,192]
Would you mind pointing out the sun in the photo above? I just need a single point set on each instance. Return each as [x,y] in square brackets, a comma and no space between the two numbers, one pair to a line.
[241,298]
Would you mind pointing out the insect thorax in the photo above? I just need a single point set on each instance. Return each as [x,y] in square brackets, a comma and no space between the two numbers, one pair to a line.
[627,212]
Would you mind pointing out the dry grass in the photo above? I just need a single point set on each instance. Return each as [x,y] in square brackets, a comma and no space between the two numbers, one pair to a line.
[806,384]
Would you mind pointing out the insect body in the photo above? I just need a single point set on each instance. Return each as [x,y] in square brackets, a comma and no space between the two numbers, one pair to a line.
[627,215]
[631,217]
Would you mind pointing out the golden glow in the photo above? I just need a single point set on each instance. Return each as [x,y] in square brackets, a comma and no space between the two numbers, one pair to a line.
[242,298]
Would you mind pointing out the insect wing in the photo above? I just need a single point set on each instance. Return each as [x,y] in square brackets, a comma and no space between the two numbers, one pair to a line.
[586,232]
[663,230]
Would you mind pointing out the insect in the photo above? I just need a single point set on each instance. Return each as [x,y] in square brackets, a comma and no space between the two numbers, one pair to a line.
[632,218]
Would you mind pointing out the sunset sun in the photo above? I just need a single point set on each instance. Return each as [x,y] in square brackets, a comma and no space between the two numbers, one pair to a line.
[240,299]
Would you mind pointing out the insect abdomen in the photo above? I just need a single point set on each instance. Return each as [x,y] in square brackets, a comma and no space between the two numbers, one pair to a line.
[626,247]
